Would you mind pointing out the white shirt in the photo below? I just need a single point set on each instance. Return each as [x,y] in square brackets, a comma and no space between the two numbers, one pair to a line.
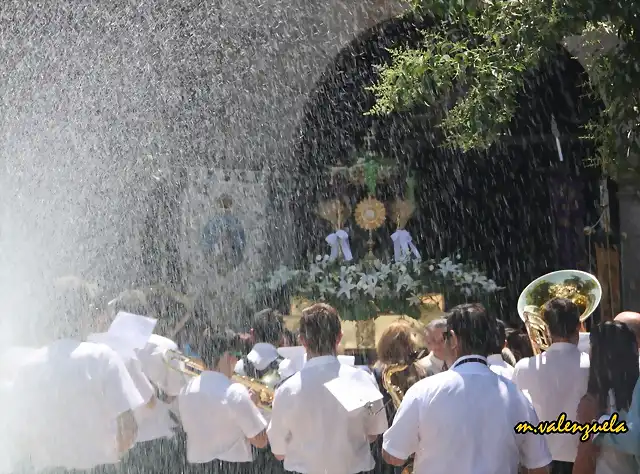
[157,421]
[499,366]
[311,429]
[218,416]
[462,421]
[70,396]
[556,380]
[155,365]
[584,342]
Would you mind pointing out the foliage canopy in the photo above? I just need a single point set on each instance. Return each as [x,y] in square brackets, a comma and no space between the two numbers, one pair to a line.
[478,54]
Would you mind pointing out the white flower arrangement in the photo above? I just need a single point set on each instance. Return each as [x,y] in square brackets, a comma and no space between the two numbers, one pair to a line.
[363,289]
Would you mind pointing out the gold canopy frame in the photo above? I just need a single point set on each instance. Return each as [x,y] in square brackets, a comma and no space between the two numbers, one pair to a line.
[364,335]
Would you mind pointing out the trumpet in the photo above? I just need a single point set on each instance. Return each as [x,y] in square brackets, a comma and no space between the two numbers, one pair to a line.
[193,367]
[263,390]
[187,365]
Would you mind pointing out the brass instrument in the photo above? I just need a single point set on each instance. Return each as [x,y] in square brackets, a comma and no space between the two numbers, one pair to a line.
[580,287]
[193,367]
[187,365]
[264,391]
[396,395]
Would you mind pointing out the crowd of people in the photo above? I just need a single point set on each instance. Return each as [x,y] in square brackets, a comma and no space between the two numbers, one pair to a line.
[74,405]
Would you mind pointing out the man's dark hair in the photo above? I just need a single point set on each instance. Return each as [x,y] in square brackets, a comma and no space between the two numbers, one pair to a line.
[562,316]
[268,326]
[214,342]
[320,328]
[477,332]
[519,344]
[501,337]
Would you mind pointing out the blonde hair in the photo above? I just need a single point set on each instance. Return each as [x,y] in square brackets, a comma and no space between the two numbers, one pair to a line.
[399,344]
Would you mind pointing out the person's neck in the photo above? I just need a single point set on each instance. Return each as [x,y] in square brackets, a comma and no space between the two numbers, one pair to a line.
[569,340]
[227,372]
[313,355]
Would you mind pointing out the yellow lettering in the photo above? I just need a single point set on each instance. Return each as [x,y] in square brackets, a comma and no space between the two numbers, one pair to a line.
[564,426]
[524,427]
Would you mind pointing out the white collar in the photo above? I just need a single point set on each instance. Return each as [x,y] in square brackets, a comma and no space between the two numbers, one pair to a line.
[495,359]
[262,354]
[321,360]
[475,365]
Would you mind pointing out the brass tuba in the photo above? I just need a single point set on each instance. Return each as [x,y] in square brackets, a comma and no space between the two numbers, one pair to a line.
[580,287]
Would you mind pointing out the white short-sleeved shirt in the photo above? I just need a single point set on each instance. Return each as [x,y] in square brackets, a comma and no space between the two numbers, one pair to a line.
[218,417]
[556,380]
[153,359]
[462,420]
[499,366]
[313,432]
[70,396]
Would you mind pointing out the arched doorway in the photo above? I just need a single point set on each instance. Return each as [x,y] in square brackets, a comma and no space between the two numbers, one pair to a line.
[516,209]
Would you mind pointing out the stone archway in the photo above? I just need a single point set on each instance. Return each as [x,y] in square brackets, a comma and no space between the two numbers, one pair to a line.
[494,205]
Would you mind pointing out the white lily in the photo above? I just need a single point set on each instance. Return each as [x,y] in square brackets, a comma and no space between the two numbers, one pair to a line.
[346,286]
[414,300]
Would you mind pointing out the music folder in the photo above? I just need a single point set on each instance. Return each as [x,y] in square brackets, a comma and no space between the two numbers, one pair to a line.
[353,392]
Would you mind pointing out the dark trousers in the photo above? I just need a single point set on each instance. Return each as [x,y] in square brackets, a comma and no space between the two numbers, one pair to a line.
[104,469]
[222,467]
[265,462]
[561,467]
[158,456]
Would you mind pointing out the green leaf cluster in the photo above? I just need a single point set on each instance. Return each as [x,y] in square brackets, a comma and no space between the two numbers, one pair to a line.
[473,63]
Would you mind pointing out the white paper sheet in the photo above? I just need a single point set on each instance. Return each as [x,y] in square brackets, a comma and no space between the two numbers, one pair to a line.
[134,328]
[353,393]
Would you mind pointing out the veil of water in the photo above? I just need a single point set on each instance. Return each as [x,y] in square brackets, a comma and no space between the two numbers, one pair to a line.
[98,96]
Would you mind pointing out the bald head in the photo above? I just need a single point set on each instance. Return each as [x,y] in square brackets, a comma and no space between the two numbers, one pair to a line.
[632,320]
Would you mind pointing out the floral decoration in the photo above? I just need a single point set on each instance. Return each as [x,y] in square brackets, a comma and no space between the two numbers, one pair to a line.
[365,289]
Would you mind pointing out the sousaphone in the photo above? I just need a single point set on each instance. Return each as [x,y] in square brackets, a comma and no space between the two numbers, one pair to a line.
[580,287]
